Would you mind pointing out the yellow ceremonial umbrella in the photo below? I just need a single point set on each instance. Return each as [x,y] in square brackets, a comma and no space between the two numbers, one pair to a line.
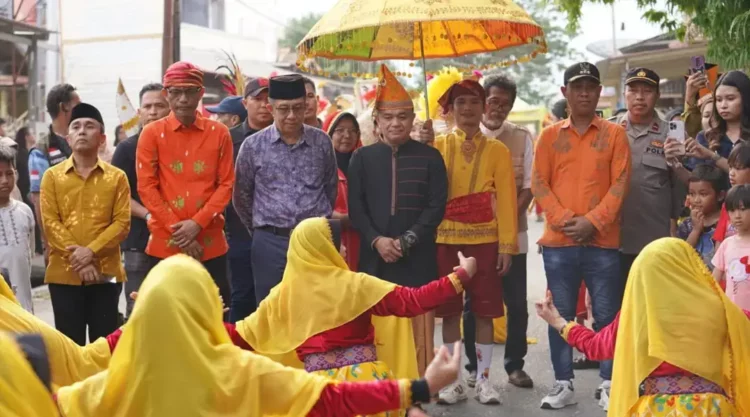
[374,30]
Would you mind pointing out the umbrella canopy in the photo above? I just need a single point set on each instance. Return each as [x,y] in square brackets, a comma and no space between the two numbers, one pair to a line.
[373,30]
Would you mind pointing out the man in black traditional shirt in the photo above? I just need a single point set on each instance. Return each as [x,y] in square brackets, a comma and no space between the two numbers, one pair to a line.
[398,189]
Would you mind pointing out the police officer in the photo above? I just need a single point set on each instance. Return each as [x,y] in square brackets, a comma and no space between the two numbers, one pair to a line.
[656,194]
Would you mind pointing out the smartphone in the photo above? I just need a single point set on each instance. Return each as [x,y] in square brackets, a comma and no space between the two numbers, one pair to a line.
[677,131]
[698,64]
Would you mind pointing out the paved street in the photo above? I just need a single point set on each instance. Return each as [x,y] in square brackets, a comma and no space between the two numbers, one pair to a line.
[516,401]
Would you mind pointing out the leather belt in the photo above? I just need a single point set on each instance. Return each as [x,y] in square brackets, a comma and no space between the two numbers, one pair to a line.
[278,231]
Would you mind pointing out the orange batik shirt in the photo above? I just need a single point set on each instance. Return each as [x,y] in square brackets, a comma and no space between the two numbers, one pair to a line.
[581,175]
[185,173]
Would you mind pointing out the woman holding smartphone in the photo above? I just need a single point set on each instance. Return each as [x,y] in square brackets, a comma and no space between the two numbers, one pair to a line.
[729,123]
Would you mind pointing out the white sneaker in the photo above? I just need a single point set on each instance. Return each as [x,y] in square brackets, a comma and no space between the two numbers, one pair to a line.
[561,396]
[604,389]
[453,393]
[471,381]
[486,392]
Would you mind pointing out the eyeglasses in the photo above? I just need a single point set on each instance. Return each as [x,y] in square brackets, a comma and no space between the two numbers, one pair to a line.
[341,131]
[189,92]
[296,109]
[497,104]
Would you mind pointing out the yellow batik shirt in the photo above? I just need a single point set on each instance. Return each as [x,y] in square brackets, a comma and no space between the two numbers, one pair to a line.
[92,212]
[475,166]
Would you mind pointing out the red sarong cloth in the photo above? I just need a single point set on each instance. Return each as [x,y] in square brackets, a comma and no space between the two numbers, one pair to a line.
[472,208]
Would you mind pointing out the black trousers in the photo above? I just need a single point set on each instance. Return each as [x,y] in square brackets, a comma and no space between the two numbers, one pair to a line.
[517,313]
[217,268]
[77,306]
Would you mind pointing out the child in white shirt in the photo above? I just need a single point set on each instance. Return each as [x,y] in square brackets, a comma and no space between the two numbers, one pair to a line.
[16,232]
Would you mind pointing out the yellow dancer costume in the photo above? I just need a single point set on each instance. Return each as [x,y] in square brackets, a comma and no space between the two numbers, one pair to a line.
[175,358]
[22,394]
[69,362]
[319,293]
[675,312]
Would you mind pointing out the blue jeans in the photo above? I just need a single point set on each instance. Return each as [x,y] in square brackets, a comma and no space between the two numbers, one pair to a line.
[269,261]
[241,274]
[565,269]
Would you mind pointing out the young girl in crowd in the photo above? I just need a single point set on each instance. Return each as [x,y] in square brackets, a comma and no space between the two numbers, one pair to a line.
[739,174]
[732,259]
[730,122]
[706,191]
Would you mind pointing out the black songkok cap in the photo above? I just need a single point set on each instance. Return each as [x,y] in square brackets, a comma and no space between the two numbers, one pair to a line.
[287,87]
[86,111]
[642,74]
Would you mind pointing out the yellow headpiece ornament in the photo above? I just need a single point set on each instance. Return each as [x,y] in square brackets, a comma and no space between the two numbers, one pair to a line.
[436,87]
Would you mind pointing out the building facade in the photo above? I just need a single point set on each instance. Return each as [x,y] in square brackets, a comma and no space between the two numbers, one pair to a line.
[103,41]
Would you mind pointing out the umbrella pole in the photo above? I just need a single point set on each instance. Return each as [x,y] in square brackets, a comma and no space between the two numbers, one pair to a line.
[424,72]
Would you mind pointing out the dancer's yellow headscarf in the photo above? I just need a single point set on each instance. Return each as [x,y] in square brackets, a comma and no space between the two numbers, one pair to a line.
[69,362]
[318,293]
[675,312]
[175,358]
[22,394]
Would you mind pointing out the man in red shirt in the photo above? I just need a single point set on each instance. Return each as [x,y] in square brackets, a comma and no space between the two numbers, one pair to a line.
[185,176]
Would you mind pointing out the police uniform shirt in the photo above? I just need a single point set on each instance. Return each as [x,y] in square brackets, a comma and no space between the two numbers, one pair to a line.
[655,195]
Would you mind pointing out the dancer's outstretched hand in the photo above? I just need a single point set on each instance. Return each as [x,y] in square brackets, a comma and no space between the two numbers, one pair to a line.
[443,370]
[548,312]
[468,264]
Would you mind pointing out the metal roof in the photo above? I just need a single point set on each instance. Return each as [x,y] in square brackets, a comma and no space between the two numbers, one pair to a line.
[21,32]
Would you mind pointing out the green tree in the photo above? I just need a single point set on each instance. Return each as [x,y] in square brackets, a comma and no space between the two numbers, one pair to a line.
[725,23]
[297,28]
[536,79]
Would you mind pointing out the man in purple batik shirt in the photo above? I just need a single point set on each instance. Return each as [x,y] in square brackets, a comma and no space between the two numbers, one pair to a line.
[285,173]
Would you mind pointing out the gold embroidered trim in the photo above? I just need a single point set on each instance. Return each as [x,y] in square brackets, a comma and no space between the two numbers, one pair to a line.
[404,389]
[456,281]
[507,248]
[566,330]
[477,161]
[485,232]
[451,154]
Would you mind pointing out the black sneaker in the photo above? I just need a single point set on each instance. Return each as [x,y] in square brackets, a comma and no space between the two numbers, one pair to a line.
[583,363]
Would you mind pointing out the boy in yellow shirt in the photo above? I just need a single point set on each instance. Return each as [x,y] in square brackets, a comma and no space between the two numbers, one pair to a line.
[480,221]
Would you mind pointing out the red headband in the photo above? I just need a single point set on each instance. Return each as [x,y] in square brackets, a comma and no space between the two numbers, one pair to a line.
[183,74]
[463,88]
